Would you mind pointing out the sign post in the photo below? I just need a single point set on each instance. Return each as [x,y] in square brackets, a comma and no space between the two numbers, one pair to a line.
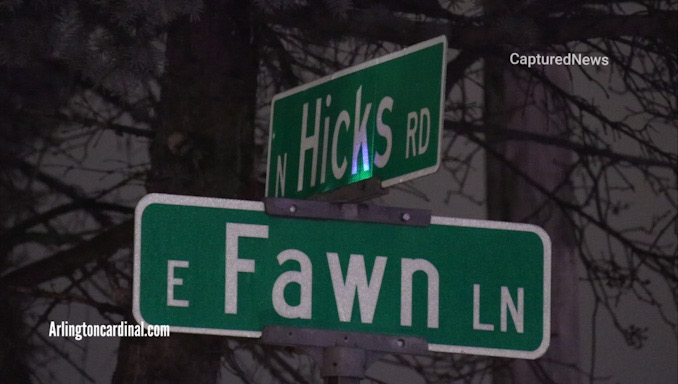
[381,119]
[225,267]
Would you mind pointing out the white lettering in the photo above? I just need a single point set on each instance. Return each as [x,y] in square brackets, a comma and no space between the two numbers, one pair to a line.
[517,312]
[234,264]
[338,171]
[360,134]
[476,311]
[281,170]
[326,138]
[310,142]
[356,280]
[411,130]
[303,277]
[384,131]
[424,114]
[174,281]
[408,268]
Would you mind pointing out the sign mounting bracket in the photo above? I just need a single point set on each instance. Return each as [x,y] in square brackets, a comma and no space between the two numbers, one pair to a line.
[343,355]
[363,212]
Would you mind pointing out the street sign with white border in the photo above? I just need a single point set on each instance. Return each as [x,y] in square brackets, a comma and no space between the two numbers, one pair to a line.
[225,267]
[382,119]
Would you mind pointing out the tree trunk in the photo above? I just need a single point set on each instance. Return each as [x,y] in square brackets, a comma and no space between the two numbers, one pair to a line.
[519,193]
[205,138]
[204,145]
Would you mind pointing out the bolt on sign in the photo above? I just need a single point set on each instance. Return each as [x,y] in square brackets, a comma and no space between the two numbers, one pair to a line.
[381,119]
[225,267]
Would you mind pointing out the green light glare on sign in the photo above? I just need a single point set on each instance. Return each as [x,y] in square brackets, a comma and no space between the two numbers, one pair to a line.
[380,119]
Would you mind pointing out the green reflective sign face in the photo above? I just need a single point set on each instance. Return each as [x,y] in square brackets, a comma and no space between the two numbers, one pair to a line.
[380,119]
[225,267]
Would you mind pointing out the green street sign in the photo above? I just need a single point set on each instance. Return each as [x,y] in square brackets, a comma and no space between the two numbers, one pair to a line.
[225,267]
[380,119]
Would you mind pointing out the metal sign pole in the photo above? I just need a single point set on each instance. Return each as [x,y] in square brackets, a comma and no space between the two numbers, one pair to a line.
[343,356]
[343,365]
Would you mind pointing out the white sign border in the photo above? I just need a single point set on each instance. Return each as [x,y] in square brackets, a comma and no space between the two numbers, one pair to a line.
[245,205]
[371,63]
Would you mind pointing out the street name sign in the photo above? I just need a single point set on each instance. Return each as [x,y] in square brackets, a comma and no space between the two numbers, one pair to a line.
[380,119]
[225,267]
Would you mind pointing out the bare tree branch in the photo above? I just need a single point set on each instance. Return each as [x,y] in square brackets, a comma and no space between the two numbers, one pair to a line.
[66,262]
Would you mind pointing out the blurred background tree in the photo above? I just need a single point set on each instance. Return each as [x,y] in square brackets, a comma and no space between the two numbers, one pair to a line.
[102,101]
